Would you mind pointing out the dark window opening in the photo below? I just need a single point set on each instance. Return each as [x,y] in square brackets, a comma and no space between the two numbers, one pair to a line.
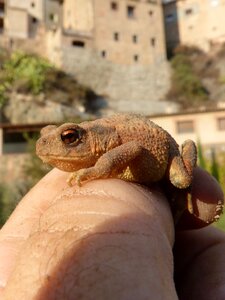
[17,142]
[116,36]
[103,53]
[1,24]
[221,123]
[189,11]
[32,4]
[80,44]
[170,17]
[130,11]
[34,20]
[135,39]
[151,13]
[53,17]
[153,42]
[2,6]
[185,126]
[114,5]
[136,58]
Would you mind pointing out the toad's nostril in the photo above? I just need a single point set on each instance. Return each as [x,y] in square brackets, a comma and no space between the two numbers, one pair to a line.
[43,141]
[40,145]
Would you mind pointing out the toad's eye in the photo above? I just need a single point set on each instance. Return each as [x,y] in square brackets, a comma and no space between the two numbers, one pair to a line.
[69,136]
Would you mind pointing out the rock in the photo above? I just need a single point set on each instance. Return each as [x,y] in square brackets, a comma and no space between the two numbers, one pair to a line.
[28,109]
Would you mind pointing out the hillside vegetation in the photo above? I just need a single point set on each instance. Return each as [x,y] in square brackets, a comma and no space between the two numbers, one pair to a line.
[40,82]
[197,78]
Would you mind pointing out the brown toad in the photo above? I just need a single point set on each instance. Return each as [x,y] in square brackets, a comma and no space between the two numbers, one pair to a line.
[132,148]
[126,146]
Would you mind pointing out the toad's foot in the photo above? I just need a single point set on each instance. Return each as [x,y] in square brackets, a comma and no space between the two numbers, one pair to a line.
[76,178]
[82,175]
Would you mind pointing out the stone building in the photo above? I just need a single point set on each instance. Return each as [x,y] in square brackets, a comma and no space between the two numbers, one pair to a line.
[23,25]
[22,18]
[199,23]
[121,31]
[124,32]
[115,47]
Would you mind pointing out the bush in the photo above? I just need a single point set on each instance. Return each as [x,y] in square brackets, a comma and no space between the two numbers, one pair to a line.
[186,88]
[9,197]
[29,69]
[34,169]
[23,72]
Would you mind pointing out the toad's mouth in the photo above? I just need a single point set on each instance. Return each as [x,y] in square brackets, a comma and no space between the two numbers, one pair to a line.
[50,158]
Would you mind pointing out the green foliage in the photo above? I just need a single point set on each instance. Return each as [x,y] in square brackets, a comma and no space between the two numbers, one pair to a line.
[201,158]
[186,88]
[10,194]
[34,169]
[29,74]
[214,166]
[9,197]
[28,69]
[23,72]
[3,97]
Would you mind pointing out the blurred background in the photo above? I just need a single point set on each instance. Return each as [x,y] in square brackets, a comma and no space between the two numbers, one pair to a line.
[75,60]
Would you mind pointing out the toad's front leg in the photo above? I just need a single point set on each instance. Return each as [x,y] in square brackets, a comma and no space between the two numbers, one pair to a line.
[110,164]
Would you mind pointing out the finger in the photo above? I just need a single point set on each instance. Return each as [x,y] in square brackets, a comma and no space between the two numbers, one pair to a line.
[207,201]
[199,254]
[200,264]
[18,227]
[106,240]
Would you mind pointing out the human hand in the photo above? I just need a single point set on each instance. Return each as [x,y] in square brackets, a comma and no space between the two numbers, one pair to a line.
[107,240]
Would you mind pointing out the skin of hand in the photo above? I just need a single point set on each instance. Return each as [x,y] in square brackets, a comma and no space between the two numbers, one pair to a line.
[108,239]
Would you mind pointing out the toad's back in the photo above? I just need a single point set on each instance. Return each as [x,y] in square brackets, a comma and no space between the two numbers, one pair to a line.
[158,146]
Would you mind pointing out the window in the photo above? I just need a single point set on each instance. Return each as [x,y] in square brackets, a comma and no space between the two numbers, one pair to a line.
[34,20]
[153,42]
[32,4]
[151,13]
[135,39]
[103,53]
[136,58]
[114,5]
[80,44]
[170,18]
[188,11]
[15,141]
[53,17]
[185,126]
[116,36]
[131,12]
[1,24]
[2,7]
[221,123]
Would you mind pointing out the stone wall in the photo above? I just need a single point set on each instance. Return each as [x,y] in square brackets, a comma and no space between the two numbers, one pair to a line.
[133,88]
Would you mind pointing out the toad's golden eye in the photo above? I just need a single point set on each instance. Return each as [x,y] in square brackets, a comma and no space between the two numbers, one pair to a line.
[69,136]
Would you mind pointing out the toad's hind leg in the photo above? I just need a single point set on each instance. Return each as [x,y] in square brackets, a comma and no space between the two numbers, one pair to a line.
[182,166]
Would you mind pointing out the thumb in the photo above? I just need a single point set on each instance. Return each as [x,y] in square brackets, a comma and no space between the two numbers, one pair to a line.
[106,240]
